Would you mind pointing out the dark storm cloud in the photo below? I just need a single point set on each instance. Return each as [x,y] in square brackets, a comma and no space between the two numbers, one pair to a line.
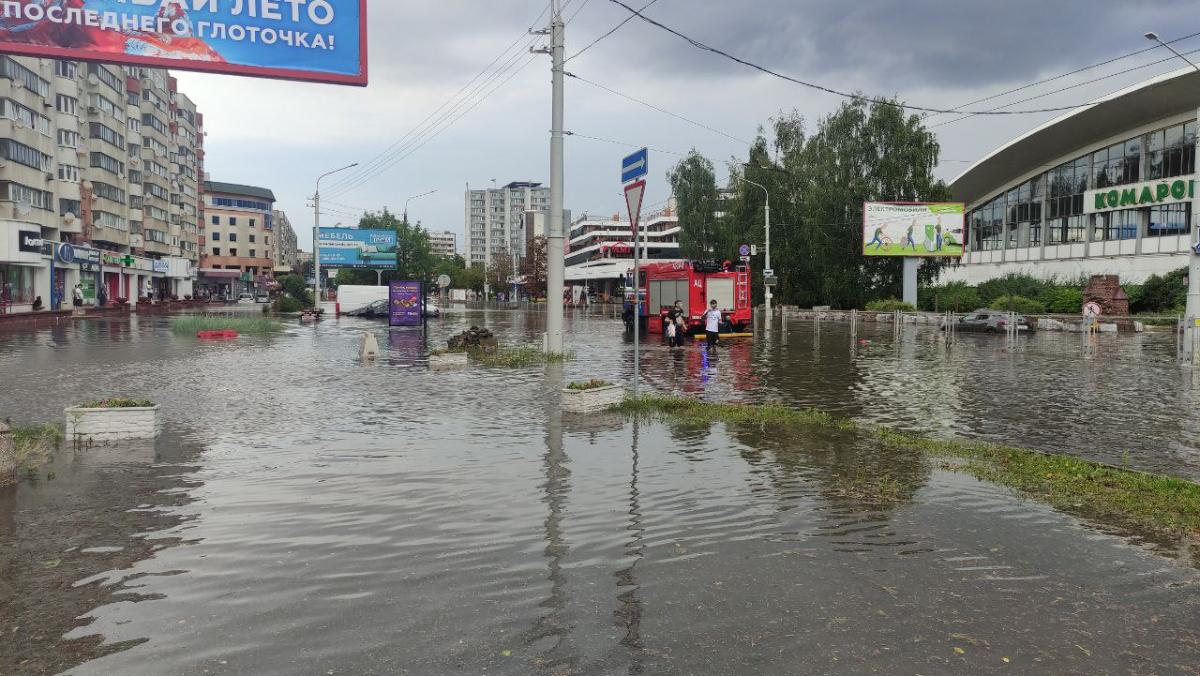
[891,45]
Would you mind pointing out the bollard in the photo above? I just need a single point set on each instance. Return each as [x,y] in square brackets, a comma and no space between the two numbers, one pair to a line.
[8,457]
[369,348]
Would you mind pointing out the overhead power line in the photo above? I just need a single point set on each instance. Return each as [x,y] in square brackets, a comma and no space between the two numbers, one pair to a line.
[615,28]
[659,109]
[621,143]
[812,85]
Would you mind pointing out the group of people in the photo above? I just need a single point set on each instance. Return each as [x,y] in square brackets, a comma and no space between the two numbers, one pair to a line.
[676,325]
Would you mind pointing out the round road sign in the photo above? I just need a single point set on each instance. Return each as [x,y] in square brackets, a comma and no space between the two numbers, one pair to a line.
[443,281]
[744,250]
[1092,309]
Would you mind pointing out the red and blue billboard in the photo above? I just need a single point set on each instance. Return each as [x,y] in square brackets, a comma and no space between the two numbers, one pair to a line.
[315,40]
[405,304]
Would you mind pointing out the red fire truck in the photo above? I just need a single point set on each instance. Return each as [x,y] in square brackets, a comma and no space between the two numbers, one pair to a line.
[694,284]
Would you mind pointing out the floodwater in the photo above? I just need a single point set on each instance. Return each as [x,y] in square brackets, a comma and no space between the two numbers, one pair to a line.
[306,513]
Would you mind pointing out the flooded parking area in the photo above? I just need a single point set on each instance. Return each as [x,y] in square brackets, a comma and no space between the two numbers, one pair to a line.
[304,512]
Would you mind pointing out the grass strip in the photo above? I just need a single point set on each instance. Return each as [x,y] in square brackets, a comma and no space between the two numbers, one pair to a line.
[35,445]
[249,326]
[1138,500]
[518,357]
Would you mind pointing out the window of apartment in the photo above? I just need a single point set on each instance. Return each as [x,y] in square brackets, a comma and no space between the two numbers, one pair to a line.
[106,134]
[156,190]
[23,154]
[105,105]
[110,164]
[109,220]
[15,192]
[156,124]
[252,236]
[1170,219]
[14,71]
[232,235]
[216,220]
[137,202]
[158,170]
[241,204]
[26,116]
[66,104]
[108,192]
[67,69]
[135,176]
[233,220]
[216,236]
[133,99]
[253,222]
[253,253]
[267,241]
[157,213]
[68,207]
[233,252]
[68,138]
[217,251]
[154,99]
[106,76]
[1113,225]
[67,172]
[135,125]
[1171,151]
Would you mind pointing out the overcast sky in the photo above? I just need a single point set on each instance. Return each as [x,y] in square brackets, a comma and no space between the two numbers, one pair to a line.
[282,135]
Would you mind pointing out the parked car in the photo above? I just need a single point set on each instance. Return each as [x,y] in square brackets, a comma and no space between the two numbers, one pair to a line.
[431,309]
[990,321]
[245,298]
[262,298]
[375,310]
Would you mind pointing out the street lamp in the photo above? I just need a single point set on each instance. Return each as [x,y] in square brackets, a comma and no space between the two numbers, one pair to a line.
[1193,295]
[767,262]
[424,194]
[317,235]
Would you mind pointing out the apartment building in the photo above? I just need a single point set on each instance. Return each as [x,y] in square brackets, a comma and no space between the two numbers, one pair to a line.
[239,235]
[99,182]
[493,219]
[444,244]
[284,250]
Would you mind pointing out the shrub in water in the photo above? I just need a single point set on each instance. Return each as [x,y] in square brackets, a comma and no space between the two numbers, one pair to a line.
[1062,301]
[890,305]
[953,297]
[1018,304]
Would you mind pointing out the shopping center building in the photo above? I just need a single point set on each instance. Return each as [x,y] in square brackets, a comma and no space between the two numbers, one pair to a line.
[1106,189]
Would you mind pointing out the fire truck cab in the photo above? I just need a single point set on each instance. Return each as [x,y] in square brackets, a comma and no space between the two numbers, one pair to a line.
[694,284]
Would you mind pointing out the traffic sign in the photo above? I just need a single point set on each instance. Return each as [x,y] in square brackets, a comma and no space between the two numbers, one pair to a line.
[745,259]
[635,166]
[744,250]
[634,192]
[443,281]
[1092,309]
[1196,248]
[768,273]
[753,249]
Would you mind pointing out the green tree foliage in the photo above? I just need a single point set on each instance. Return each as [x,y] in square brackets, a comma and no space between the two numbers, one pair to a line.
[534,267]
[1018,304]
[500,274]
[1166,293]
[694,184]
[294,287]
[1062,300]
[471,278]
[950,297]
[1014,284]
[889,305]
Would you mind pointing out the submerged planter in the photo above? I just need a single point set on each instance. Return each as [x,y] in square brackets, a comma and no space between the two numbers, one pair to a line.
[595,399]
[111,424]
[448,360]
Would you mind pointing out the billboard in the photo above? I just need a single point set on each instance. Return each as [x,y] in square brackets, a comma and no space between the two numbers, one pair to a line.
[914,229]
[405,302]
[316,40]
[353,248]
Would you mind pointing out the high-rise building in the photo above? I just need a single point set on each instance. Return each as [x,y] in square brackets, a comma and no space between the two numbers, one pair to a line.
[106,159]
[239,236]
[444,244]
[493,219]
[284,249]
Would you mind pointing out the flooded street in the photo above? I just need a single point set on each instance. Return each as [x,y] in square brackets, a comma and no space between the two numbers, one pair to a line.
[306,513]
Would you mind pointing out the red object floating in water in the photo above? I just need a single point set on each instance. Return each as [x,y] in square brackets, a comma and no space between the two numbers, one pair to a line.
[217,335]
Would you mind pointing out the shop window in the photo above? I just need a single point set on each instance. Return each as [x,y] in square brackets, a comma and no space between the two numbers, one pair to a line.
[1169,219]
[1114,225]
[16,284]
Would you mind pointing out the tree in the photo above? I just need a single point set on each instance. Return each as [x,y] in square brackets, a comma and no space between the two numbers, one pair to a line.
[470,277]
[295,288]
[694,185]
[534,267]
[500,273]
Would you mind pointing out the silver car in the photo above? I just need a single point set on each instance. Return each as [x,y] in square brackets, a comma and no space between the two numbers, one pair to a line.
[991,321]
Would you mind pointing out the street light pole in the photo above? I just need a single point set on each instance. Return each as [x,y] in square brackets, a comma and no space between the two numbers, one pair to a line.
[767,247]
[555,262]
[1192,311]
[424,194]
[317,236]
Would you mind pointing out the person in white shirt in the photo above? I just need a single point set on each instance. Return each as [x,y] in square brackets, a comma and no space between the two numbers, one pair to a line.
[672,341]
[712,324]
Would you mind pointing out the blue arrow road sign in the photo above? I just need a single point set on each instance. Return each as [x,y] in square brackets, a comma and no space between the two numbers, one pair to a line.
[635,166]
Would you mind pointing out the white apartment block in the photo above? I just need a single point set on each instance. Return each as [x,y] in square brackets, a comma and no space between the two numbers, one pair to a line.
[107,160]
[493,219]
[285,249]
[444,244]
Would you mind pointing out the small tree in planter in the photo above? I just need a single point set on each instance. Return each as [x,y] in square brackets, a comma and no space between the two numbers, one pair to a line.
[112,420]
[592,395]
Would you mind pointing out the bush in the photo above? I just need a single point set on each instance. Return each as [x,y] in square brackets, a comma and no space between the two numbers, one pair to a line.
[1019,304]
[890,305]
[296,289]
[1161,294]
[1062,301]
[288,304]
[954,296]
[1013,284]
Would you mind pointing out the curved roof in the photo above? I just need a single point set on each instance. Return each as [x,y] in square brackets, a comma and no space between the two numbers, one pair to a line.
[1142,104]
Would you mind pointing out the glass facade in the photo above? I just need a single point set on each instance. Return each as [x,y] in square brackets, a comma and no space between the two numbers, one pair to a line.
[1014,219]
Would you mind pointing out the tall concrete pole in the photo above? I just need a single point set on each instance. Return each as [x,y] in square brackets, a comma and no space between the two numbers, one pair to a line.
[317,235]
[767,293]
[555,262]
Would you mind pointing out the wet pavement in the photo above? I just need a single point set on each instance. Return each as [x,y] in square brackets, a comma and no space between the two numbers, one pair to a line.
[305,513]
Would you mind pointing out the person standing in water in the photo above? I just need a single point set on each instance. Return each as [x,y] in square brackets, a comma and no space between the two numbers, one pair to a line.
[712,324]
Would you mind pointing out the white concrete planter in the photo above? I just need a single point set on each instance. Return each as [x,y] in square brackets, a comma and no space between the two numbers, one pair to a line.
[448,361]
[595,399]
[112,424]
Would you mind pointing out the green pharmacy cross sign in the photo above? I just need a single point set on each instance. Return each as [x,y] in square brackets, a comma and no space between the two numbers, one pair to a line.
[125,260]
[1166,191]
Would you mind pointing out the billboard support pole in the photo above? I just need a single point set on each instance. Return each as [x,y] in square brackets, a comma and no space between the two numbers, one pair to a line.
[317,236]
[911,264]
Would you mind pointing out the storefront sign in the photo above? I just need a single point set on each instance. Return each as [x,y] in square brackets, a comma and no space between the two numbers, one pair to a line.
[1150,193]
[29,241]
[118,260]
[161,266]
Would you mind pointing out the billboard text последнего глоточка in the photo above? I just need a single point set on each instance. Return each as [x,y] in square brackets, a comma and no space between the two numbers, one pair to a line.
[315,40]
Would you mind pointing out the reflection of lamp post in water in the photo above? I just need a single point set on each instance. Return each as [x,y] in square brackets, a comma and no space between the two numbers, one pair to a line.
[629,613]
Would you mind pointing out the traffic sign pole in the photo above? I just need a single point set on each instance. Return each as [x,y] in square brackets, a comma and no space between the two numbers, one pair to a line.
[634,194]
